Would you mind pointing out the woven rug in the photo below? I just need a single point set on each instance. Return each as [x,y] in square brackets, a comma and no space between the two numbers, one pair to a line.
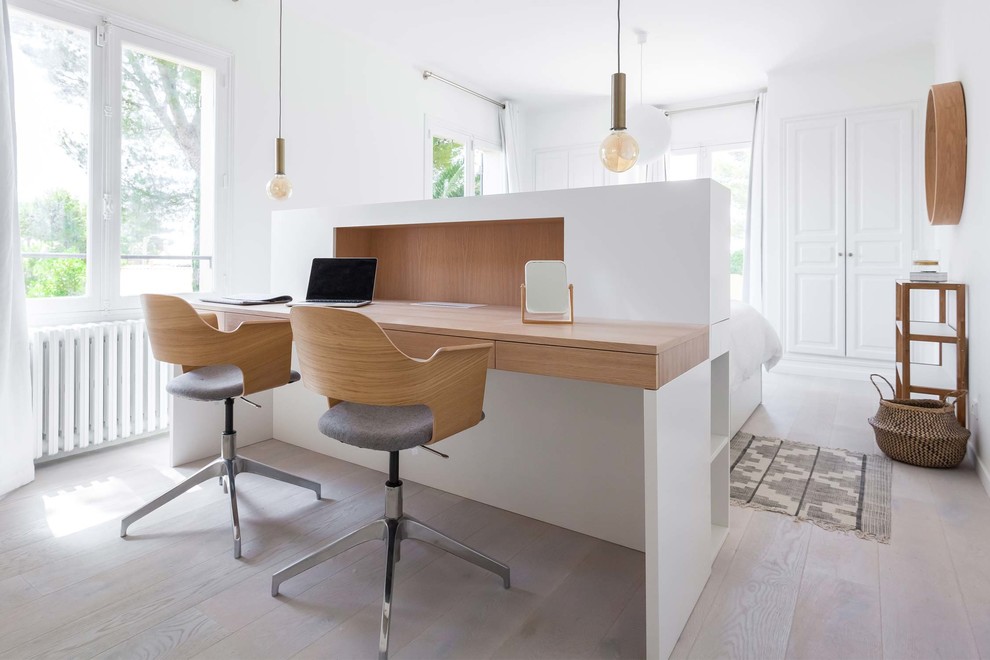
[832,488]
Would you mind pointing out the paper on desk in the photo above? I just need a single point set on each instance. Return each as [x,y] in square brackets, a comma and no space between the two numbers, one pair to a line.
[449,304]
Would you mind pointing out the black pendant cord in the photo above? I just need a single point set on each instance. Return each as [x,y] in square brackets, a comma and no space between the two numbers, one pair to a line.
[280,68]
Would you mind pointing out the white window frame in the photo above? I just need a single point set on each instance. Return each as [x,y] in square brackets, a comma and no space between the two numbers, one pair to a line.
[108,30]
[705,152]
[441,129]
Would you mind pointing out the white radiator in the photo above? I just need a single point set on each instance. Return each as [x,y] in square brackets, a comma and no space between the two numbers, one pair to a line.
[93,384]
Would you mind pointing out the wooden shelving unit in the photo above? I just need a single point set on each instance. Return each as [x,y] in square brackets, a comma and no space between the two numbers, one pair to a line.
[951,371]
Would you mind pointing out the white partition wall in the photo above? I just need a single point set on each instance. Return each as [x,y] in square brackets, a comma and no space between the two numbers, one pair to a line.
[637,252]
[638,468]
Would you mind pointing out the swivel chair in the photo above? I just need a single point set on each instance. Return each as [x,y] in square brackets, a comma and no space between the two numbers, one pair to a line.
[218,366]
[381,399]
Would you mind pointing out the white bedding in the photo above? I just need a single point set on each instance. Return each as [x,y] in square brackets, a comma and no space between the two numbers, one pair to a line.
[752,342]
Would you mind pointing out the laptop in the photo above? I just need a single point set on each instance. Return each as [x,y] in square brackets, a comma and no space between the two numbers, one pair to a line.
[341,282]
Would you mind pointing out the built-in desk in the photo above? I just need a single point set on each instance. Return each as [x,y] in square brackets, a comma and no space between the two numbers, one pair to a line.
[613,428]
[634,353]
[568,454]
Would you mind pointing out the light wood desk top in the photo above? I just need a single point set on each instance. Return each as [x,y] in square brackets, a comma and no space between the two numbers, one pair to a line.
[635,353]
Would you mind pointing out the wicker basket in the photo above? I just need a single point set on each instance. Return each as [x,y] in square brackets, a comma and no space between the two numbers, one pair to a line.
[922,432]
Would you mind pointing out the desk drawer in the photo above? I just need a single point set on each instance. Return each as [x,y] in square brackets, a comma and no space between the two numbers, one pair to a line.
[230,320]
[634,369]
[423,345]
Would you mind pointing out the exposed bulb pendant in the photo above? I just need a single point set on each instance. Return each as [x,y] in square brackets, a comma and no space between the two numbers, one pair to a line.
[280,187]
[619,151]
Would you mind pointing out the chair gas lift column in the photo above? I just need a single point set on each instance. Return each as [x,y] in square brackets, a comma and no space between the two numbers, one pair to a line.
[218,366]
[381,399]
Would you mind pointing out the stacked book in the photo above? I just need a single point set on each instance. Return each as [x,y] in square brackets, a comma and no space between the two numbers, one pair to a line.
[929,276]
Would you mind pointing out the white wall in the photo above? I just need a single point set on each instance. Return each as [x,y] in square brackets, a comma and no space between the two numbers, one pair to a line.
[834,87]
[726,125]
[582,124]
[962,52]
[587,122]
[353,117]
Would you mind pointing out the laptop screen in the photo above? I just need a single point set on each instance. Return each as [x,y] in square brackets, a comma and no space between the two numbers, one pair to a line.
[342,279]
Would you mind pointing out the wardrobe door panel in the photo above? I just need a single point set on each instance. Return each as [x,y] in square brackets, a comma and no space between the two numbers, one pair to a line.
[550,170]
[879,212]
[584,168]
[814,209]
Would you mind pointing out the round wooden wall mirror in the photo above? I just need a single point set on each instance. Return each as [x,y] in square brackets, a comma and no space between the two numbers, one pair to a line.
[945,153]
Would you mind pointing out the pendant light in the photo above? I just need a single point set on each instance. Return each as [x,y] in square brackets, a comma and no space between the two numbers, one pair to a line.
[619,151]
[648,123]
[280,187]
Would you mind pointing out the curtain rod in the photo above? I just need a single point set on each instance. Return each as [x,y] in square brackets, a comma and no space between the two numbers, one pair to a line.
[429,74]
[727,104]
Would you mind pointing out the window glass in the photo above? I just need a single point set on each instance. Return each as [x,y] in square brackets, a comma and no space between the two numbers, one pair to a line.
[166,231]
[730,167]
[682,166]
[479,170]
[52,64]
[489,172]
[448,168]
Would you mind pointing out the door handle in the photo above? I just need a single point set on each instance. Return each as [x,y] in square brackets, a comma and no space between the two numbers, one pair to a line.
[841,254]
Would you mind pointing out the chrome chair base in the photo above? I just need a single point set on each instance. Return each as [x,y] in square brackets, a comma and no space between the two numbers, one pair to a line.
[226,468]
[393,528]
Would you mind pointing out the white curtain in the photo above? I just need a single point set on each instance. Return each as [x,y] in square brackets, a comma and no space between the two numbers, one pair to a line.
[753,263]
[16,451]
[508,121]
[656,171]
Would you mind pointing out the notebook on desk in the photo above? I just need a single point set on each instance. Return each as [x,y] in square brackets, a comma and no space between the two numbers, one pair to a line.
[248,299]
[341,282]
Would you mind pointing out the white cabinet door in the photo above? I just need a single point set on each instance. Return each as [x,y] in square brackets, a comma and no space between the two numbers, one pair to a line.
[584,168]
[814,210]
[879,212]
[550,170]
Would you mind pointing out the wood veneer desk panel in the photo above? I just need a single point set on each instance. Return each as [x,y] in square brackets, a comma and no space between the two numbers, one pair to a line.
[478,262]
[634,353]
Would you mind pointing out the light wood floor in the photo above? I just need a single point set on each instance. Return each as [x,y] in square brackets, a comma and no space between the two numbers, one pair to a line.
[781,589]
[69,587]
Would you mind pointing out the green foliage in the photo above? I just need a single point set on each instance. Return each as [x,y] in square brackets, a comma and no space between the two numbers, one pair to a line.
[736,261]
[731,169]
[448,168]
[54,278]
[55,223]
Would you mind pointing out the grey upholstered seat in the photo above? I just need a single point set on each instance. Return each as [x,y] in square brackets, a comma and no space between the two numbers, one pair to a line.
[385,428]
[216,383]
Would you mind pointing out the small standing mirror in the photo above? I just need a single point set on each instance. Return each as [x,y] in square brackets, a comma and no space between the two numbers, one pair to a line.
[546,292]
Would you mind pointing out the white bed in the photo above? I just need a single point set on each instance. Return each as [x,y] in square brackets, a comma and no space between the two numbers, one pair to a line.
[754,344]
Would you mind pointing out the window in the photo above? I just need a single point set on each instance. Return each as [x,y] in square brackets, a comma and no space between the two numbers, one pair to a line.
[121,135]
[729,165]
[462,165]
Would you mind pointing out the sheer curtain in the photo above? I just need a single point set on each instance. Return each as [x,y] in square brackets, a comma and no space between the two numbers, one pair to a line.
[16,451]
[508,121]
[753,264]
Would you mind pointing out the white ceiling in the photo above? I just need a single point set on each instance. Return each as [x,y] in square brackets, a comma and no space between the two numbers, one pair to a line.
[544,51]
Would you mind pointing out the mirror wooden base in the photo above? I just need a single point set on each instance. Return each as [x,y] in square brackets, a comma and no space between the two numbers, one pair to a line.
[525,319]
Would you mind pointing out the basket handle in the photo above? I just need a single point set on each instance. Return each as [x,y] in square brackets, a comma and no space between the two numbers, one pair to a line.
[954,394]
[893,392]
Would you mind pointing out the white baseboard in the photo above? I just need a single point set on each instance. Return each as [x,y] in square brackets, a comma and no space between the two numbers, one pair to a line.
[825,367]
[981,471]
